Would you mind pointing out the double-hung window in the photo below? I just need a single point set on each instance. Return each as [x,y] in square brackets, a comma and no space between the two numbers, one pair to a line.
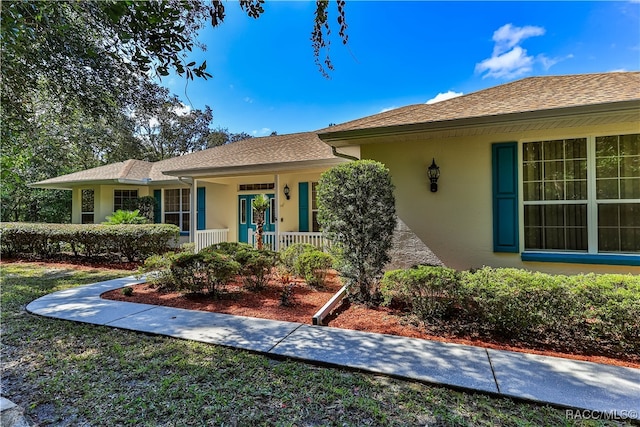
[122,199]
[87,202]
[582,194]
[177,208]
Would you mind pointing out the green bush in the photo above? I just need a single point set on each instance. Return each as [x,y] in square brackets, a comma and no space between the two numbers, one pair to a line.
[432,293]
[190,272]
[313,265]
[126,217]
[256,266]
[598,312]
[228,248]
[289,256]
[130,241]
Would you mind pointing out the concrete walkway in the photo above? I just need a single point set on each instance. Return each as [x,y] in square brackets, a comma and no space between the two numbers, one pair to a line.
[610,391]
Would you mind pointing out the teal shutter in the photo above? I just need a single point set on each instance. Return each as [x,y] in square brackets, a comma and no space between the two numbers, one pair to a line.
[303,206]
[157,207]
[201,207]
[505,197]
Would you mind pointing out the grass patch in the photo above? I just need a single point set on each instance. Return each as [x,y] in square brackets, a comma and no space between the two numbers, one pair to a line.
[65,373]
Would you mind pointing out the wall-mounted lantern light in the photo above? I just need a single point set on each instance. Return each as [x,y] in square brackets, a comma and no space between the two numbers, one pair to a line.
[433,172]
[287,192]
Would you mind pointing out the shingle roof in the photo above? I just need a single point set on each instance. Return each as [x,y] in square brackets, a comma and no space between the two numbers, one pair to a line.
[127,170]
[529,94]
[291,148]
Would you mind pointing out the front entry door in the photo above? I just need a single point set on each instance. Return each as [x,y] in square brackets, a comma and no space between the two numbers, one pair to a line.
[246,216]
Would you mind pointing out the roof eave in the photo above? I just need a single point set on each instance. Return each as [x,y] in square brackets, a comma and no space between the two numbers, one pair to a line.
[359,136]
[253,169]
[70,185]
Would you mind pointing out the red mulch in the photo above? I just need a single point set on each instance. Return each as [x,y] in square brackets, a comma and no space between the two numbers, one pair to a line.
[307,301]
[235,299]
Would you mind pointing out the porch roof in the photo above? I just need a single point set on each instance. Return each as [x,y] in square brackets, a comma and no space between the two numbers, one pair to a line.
[529,98]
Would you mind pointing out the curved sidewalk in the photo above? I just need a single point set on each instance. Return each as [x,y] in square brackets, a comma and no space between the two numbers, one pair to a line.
[611,391]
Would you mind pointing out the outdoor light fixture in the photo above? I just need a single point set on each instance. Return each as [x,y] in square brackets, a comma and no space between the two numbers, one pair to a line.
[433,172]
[287,191]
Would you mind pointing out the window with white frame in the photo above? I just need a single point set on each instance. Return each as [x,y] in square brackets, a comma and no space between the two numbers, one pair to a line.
[122,197]
[177,204]
[315,225]
[87,202]
[582,194]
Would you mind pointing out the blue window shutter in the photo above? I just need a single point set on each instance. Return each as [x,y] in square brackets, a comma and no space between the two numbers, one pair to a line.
[505,197]
[157,207]
[201,207]
[303,206]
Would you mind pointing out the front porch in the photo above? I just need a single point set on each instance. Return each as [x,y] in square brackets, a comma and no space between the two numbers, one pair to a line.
[275,241]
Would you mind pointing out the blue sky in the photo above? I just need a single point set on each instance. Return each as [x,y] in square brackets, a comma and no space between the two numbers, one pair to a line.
[399,53]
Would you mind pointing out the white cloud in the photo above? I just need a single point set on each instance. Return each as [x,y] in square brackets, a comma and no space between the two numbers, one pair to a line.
[508,36]
[509,59]
[248,100]
[508,65]
[444,96]
[550,62]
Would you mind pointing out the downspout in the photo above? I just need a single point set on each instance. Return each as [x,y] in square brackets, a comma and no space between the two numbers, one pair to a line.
[342,155]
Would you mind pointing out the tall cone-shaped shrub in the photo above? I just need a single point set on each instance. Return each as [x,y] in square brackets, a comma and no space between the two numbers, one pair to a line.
[356,209]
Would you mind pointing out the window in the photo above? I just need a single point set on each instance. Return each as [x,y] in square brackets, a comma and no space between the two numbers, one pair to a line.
[87,199]
[582,194]
[243,211]
[273,214]
[256,187]
[177,211]
[314,207]
[121,197]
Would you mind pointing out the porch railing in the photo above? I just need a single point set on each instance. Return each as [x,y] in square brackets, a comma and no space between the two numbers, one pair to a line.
[289,238]
[206,238]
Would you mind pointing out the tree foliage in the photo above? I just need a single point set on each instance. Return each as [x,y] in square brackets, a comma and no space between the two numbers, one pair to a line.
[356,209]
[77,91]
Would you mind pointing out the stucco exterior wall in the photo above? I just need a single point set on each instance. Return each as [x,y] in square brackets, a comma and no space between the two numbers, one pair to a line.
[103,200]
[456,222]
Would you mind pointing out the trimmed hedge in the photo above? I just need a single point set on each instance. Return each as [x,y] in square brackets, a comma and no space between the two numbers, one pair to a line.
[130,241]
[584,311]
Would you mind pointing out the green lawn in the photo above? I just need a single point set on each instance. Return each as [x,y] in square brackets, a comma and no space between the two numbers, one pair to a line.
[68,374]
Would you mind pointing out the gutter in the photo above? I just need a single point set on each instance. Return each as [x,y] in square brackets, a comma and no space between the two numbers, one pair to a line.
[335,152]
[341,138]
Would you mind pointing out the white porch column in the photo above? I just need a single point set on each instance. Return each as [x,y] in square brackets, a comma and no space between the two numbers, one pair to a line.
[276,244]
[193,217]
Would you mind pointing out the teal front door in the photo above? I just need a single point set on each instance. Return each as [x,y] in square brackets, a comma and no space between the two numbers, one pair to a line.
[247,219]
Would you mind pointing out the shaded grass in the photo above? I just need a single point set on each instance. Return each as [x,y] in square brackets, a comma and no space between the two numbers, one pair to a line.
[65,373]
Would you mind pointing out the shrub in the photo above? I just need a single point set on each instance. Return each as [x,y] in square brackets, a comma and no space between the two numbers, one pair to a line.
[256,266]
[128,240]
[431,293]
[313,266]
[289,256]
[126,217]
[356,210]
[598,312]
[190,272]
[228,248]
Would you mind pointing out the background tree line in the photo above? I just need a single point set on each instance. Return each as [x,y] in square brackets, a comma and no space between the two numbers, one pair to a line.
[78,87]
